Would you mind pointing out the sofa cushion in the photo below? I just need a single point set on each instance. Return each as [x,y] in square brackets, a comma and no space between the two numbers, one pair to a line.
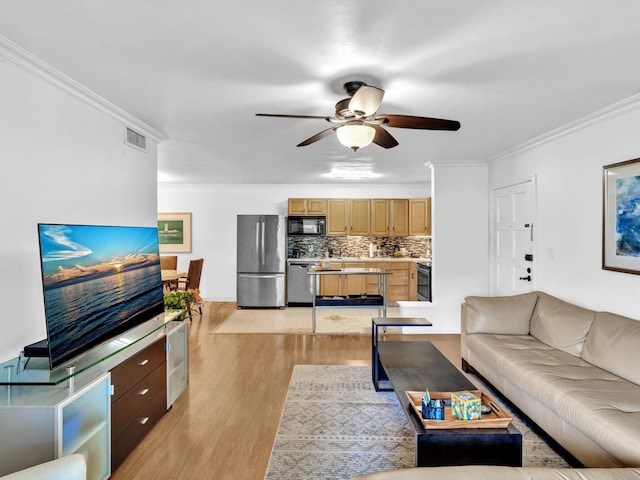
[486,472]
[613,343]
[500,315]
[560,324]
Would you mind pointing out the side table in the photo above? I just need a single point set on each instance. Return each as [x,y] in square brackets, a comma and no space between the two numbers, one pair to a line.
[378,373]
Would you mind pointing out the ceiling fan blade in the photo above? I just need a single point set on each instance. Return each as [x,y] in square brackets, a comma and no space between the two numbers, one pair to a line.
[316,137]
[423,123]
[383,138]
[278,115]
[366,101]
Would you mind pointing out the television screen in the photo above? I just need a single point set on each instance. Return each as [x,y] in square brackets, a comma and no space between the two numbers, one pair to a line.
[98,282]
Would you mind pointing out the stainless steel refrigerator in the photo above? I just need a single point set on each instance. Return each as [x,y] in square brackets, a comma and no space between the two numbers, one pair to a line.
[262,258]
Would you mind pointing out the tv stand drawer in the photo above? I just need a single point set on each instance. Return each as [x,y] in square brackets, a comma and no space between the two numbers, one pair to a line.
[134,369]
[139,400]
[133,433]
[128,405]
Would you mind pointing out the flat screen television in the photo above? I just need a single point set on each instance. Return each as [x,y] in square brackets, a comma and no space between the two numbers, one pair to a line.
[98,282]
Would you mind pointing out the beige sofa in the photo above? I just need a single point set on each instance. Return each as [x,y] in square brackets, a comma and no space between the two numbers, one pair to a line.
[70,467]
[502,473]
[573,371]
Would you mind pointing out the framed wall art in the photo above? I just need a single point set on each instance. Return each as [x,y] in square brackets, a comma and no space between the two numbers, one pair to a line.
[174,232]
[621,217]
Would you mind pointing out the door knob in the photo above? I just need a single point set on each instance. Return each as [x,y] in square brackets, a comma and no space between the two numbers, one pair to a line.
[527,278]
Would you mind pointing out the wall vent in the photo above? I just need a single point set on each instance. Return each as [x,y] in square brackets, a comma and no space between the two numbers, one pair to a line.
[135,140]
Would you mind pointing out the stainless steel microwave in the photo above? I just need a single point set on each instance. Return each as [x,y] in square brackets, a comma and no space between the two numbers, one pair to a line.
[307,225]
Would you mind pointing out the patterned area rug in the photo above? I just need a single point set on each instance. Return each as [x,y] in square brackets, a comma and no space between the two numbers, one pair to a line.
[335,425]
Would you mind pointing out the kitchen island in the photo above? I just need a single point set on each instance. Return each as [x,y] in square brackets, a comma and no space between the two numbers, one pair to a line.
[377,300]
[402,285]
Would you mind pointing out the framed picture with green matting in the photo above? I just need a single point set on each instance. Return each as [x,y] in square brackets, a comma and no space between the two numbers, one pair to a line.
[174,232]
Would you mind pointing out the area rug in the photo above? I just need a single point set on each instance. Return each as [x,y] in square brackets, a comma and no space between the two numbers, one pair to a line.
[297,320]
[335,425]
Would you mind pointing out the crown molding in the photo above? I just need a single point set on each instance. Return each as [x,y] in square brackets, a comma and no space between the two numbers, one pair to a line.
[279,186]
[24,60]
[617,109]
[455,164]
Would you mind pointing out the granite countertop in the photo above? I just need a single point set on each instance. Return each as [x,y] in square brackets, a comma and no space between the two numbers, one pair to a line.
[359,259]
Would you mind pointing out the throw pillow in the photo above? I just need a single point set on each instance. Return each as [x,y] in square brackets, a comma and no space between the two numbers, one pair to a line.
[501,315]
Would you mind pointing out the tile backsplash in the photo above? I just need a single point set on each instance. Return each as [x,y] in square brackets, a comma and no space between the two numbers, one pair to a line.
[352,246]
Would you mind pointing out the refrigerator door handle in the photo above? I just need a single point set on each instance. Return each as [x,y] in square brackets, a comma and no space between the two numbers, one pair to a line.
[258,241]
[262,235]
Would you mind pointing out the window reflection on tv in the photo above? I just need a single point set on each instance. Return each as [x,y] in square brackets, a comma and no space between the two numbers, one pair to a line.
[98,282]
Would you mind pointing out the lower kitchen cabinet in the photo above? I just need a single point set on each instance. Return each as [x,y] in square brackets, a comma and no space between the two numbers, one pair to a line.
[48,422]
[343,284]
[399,283]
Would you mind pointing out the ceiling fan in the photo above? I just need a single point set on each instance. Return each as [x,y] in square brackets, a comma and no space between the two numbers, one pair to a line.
[358,125]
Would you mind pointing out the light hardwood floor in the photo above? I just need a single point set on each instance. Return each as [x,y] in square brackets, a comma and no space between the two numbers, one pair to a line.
[223,425]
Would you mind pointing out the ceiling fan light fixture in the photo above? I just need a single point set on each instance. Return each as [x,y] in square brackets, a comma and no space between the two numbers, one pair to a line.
[355,136]
[366,101]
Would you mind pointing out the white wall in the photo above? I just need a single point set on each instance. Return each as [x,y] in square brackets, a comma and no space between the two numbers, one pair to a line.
[460,245]
[214,209]
[63,161]
[568,170]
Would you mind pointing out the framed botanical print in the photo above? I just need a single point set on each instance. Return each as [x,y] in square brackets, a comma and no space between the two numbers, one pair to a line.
[621,217]
[174,232]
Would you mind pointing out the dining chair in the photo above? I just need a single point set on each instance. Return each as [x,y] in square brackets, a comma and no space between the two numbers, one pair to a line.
[168,262]
[192,280]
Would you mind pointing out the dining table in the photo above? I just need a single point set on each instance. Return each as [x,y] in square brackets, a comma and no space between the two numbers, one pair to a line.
[170,278]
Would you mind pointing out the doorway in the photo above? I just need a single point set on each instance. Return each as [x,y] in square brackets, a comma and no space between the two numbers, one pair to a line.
[512,261]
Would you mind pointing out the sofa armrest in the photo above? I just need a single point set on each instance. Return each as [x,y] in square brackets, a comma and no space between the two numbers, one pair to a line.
[70,467]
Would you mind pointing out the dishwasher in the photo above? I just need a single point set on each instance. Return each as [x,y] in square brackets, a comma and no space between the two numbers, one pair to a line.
[299,284]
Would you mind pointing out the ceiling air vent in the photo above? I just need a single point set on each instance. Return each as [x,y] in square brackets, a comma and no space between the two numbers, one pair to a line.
[135,140]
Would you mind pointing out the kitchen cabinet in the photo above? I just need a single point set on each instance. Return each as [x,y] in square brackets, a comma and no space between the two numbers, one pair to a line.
[337,216]
[341,285]
[41,423]
[399,214]
[390,216]
[307,206]
[348,216]
[400,284]
[399,217]
[359,217]
[420,216]
[413,281]
[380,217]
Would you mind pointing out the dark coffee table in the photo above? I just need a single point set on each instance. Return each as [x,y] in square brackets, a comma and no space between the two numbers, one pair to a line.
[384,322]
[418,365]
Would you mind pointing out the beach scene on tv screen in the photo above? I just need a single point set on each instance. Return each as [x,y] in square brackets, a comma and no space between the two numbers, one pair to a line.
[98,281]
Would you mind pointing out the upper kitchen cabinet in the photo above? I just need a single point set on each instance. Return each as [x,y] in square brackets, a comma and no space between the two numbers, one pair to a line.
[348,217]
[337,218]
[390,216]
[380,216]
[307,206]
[359,216]
[399,217]
[420,216]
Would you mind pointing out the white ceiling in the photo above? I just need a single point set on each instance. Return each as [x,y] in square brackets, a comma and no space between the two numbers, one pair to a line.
[198,71]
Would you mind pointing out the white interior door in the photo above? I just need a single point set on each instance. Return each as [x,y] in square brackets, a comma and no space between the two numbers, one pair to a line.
[512,242]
